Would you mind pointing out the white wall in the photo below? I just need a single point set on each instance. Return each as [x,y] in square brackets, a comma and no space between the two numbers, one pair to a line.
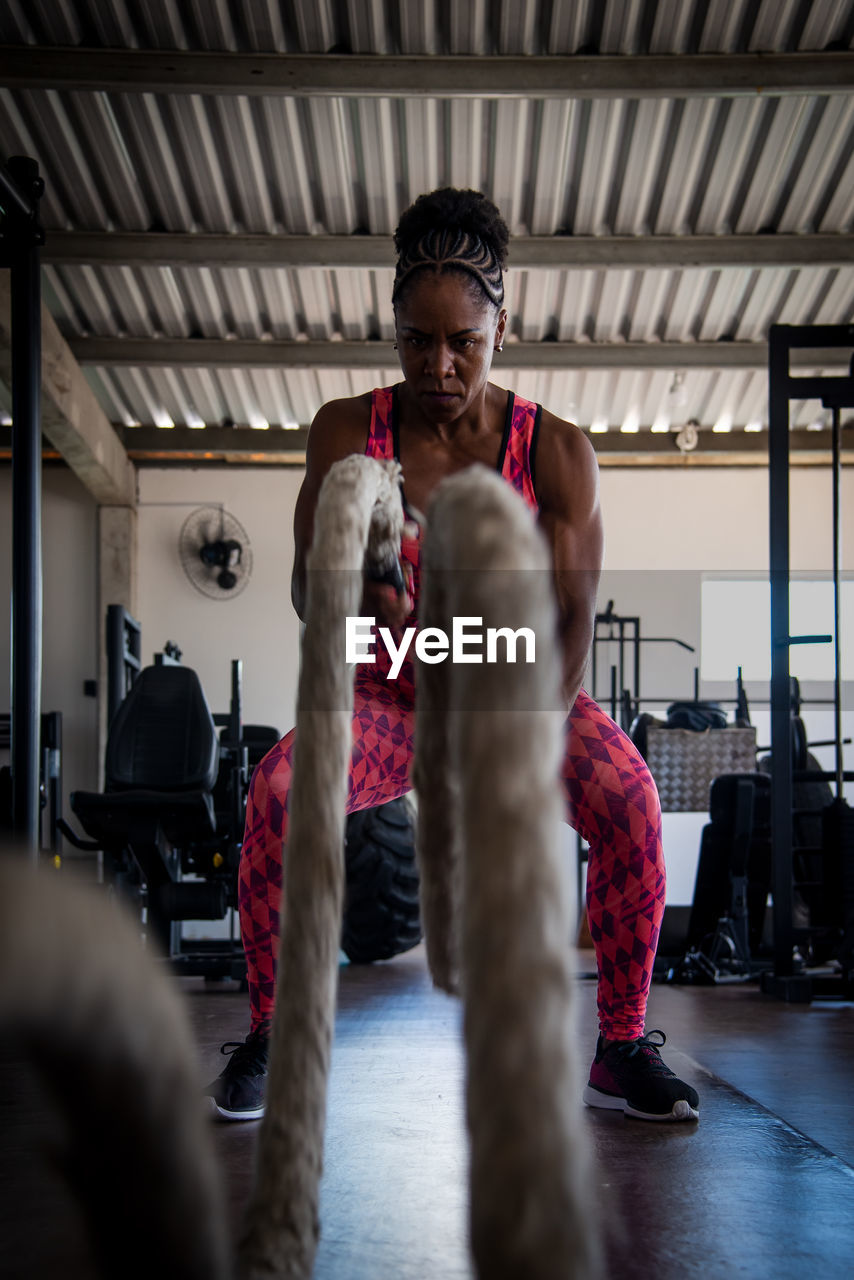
[259,625]
[69,642]
[714,519]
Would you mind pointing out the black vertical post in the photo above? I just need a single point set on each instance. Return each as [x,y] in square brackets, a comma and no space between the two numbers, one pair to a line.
[26,504]
[239,755]
[593,649]
[836,446]
[781,772]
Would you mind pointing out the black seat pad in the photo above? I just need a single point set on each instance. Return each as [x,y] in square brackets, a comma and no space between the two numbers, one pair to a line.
[115,816]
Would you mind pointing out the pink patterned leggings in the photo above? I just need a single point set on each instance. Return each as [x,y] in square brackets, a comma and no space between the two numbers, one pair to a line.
[611,801]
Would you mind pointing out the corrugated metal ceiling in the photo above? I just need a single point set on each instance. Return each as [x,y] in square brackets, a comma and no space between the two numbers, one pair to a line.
[600,167]
[434,26]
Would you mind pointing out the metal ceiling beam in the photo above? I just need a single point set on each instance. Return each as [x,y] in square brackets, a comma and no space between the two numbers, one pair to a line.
[350,75]
[244,353]
[242,444]
[808,449]
[215,442]
[718,442]
[71,418]
[178,446]
[156,249]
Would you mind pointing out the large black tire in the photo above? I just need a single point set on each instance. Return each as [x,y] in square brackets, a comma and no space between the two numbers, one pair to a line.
[381,914]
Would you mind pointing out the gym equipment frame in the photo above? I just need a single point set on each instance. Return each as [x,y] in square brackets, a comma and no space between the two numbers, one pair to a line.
[124,656]
[835,393]
[50,779]
[611,628]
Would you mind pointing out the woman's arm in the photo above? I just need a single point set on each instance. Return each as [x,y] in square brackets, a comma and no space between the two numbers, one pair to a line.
[567,487]
[339,429]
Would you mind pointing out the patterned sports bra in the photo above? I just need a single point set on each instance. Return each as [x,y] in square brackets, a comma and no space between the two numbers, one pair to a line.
[515,464]
[515,457]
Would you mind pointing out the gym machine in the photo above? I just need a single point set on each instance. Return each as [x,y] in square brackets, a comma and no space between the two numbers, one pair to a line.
[837,819]
[726,930]
[169,823]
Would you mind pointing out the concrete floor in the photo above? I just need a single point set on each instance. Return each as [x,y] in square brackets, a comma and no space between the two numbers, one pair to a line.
[763,1186]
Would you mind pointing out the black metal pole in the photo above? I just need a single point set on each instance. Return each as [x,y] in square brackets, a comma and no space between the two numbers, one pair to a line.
[622,676]
[837,651]
[781,771]
[594,647]
[239,755]
[26,507]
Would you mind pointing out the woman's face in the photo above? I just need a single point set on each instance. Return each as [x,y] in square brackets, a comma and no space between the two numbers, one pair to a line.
[446,333]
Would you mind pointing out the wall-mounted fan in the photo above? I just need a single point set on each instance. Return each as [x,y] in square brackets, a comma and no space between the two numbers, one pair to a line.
[215,553]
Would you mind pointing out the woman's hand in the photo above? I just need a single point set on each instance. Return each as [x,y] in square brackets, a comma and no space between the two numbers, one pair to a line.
[382,601]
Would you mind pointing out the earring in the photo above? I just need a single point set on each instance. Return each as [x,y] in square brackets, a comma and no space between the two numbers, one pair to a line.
[501,348]
[395,346]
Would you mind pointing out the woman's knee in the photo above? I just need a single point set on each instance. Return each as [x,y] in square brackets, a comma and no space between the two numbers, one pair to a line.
[270,785]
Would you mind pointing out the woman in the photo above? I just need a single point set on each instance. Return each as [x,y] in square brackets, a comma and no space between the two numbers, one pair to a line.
[446,414]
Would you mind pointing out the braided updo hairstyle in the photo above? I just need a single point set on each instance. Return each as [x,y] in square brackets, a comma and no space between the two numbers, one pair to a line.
[452,230]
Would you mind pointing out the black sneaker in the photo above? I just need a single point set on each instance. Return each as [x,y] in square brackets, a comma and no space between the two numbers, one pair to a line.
[238,1093]
[630,1076]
